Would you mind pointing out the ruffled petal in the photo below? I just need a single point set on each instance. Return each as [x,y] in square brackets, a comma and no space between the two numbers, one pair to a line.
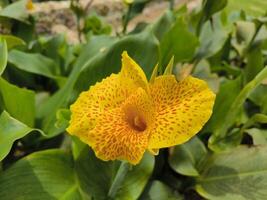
[122,133]
[182,108]
[108,94]
[132,71]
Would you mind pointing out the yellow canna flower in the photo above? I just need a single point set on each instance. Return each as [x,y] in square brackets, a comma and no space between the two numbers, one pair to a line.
[29,5]
[125,115]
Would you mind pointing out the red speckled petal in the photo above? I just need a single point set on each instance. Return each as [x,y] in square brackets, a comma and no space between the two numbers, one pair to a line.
[117,135]
[182,108]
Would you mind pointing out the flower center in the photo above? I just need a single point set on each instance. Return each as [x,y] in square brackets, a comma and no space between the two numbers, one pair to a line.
[135,120]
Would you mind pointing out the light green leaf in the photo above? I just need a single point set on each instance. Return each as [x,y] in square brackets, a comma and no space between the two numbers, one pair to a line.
[160,191]
[96,176]
[186,158]
[12,41]
[259,136]
[45,175]
[212,38]
[178,42]
[3,55]
[34,63]
[251,7]
[223,102]
[16,10]
[19,102]
[234,110]
[240,174]
[259,97]
[10,130]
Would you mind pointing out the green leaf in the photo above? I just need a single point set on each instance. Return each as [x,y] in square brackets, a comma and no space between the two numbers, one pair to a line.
[163,24]
[12,41]
[10,130]
[47,111]
[19,102]
[255,63]
[16,11]
[186,158]
[240,174]
[160,191]
[34,63]
[109,60]
[210,7]
[234,110]
[3,55]
[178,42]
[96,176]
[212,38]
[259,97]
[251,7]
[223,102]
[259,136]
[45,175]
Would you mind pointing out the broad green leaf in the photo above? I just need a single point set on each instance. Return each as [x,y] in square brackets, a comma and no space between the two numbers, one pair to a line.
[142,47]
[163,24]
[257,118]
[96,176]
[202,71]
[178,42]
[223,102]
[251,7]
[45,175]
[255,63]
[19,102]
[3,55]
[259,136]
[33,63]
[234,110]
[16,10]
[12,41]
[48,110]
[240,174]
[160,191]
[186,158]
[259,97]
[10,130]
[212,38]
[210,7]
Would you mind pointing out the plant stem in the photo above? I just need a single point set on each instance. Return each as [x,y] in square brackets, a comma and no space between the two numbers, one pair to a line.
[126,19]
[171,4]
[119,178]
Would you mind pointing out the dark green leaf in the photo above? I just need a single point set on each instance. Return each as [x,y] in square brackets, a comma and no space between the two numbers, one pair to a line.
[178,42]
[96,176]
[46,175]
[186,158]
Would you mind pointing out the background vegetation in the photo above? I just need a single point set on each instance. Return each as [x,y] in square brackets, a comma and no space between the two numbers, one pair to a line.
[223,42]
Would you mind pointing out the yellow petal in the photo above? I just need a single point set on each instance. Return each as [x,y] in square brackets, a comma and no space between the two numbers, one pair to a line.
[29,5]
[122,133]
[132,71]
[107,94]
[182,108]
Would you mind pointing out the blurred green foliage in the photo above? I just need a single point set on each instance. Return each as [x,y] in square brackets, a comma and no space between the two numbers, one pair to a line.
[223,42]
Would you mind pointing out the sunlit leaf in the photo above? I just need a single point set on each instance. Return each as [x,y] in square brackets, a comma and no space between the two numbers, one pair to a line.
[239,174]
